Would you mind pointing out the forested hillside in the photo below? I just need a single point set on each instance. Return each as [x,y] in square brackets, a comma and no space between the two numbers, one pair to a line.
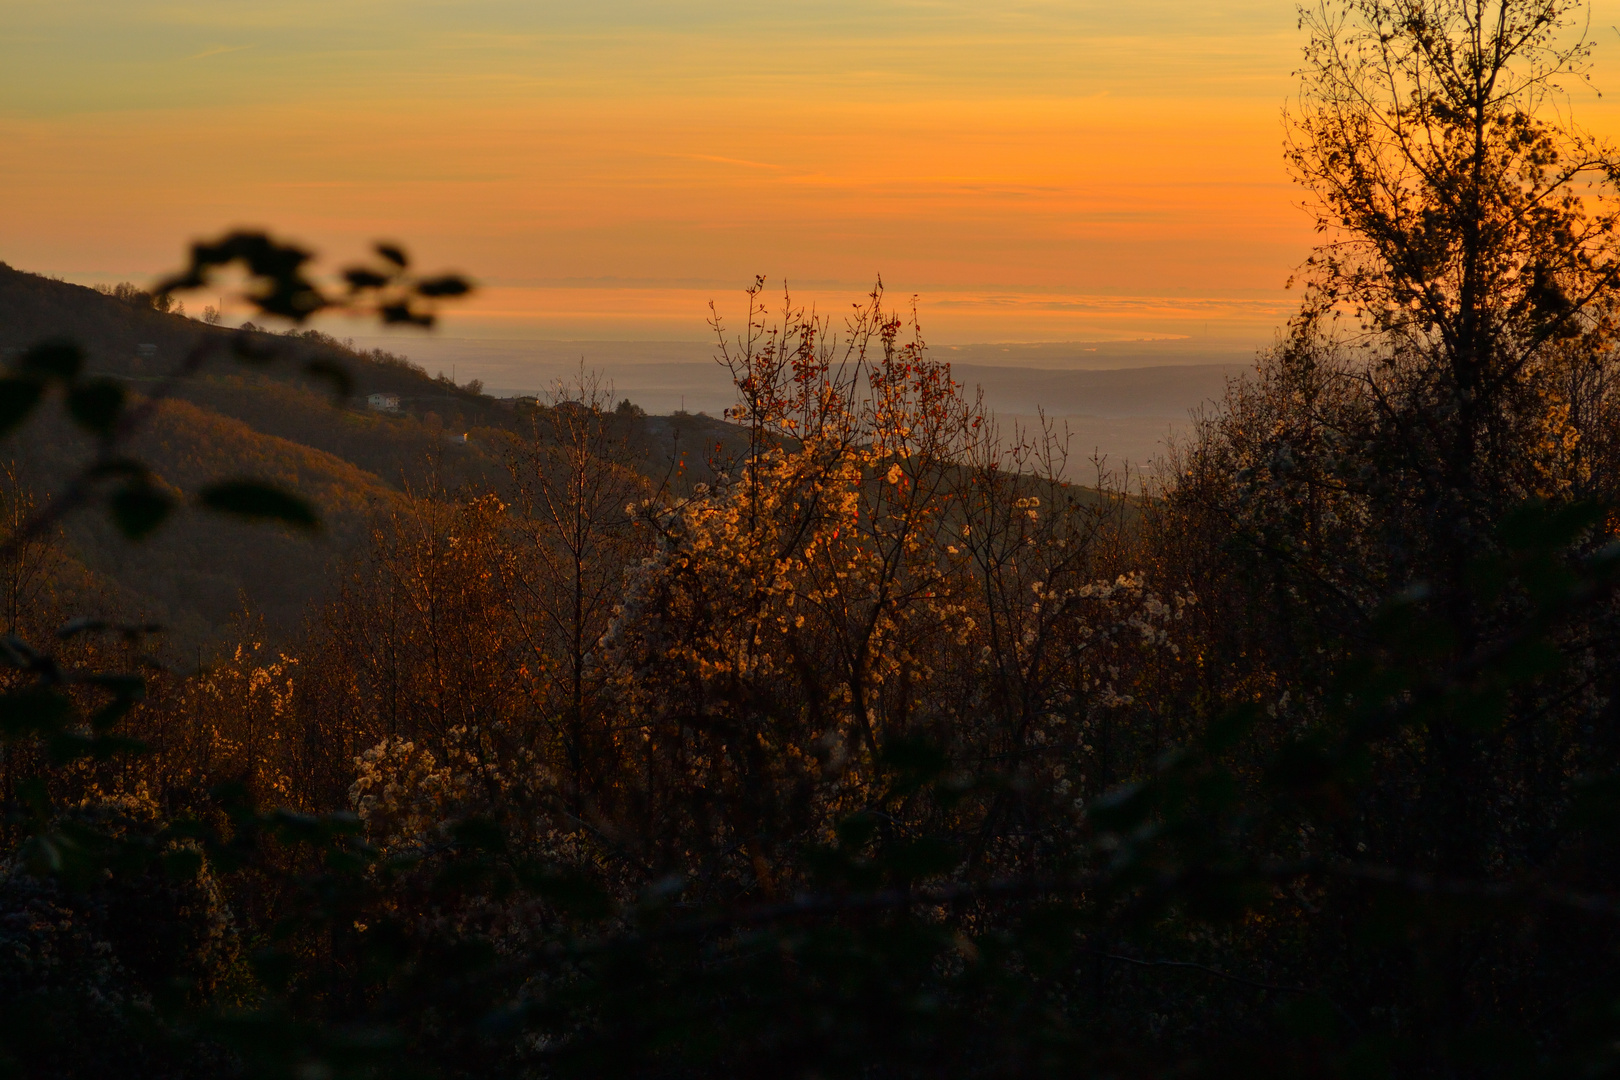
[272,419]
[848,739]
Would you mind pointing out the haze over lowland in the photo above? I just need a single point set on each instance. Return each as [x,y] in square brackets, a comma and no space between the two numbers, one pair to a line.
[1120,400]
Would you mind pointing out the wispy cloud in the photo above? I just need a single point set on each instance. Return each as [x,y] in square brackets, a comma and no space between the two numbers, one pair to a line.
[728,161]
[217,50]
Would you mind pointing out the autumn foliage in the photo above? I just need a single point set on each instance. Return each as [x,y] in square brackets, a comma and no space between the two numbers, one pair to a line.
[874,743]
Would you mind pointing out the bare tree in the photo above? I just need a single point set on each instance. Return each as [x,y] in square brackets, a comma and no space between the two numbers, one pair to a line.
[577,483]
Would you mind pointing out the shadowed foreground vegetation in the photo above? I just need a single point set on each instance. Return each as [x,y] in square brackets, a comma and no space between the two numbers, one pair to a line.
[862,744]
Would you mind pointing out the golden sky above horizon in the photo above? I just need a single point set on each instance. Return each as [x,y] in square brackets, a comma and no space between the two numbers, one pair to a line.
[1032,170]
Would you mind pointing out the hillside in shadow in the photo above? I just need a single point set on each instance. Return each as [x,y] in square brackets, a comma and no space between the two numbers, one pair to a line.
[269,419]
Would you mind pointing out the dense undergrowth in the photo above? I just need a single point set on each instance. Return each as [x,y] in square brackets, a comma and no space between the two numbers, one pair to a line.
[882,750]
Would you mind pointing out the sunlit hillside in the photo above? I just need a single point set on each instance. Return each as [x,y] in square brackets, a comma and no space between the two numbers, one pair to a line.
[838,698]
[355,463]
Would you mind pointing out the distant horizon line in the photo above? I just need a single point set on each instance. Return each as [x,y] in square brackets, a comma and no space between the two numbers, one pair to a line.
[1234,342]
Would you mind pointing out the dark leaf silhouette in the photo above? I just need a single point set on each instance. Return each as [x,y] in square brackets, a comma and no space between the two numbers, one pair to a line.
[394,254]
[18,399]
[55,359]
[255,499]
[96,405]
[138,509]
[449,285]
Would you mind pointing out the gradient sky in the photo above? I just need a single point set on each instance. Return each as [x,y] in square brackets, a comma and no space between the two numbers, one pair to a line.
[1034,170]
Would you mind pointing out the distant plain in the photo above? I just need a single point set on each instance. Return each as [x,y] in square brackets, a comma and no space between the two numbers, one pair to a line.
[1118,400]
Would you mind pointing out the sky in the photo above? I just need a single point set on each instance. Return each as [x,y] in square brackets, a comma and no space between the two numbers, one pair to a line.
[1029,170]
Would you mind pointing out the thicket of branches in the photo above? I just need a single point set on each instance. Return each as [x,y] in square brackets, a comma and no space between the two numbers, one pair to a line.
[891,752]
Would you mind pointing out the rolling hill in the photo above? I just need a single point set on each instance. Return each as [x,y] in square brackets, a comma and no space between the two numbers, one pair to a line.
[270,422]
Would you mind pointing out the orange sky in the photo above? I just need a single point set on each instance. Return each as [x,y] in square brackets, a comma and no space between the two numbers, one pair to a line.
[1044,171]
